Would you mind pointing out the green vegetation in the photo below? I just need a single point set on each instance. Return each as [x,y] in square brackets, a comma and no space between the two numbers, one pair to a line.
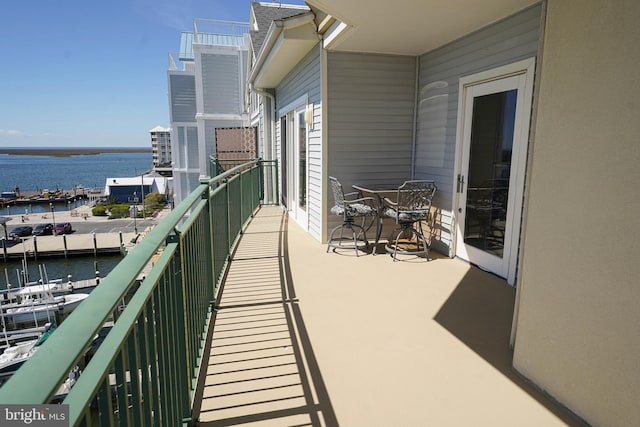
[118,210]
[99,211]
[152,203]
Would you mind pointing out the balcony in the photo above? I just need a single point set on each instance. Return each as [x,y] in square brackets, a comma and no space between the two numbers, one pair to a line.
[305,337]
[268,328]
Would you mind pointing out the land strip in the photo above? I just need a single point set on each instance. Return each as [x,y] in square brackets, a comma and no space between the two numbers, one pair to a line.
[71,151]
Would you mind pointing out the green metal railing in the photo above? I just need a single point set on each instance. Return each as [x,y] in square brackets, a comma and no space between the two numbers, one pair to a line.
[145,371]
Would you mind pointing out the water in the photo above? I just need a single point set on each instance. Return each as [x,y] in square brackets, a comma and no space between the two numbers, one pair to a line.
[80,268]
[35,173]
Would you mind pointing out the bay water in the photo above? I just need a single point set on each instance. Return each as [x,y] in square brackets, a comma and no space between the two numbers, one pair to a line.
[34,173]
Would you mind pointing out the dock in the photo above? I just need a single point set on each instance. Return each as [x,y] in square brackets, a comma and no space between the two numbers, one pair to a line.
[35,247]
[57,197]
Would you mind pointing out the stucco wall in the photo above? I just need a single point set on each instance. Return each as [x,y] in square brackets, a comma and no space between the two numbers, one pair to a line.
[578,328]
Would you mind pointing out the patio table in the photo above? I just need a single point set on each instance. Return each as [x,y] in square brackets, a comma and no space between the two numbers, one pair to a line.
[380,191]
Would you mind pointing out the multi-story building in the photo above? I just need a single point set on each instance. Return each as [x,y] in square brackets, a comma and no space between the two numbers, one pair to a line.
[206,92]
[161,147]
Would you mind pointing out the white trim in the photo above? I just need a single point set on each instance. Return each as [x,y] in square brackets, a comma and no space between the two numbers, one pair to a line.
[335,35]
[298,102]
[526,69]
[292,112]
[324,146]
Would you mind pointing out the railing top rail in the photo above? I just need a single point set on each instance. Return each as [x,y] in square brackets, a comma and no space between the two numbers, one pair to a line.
[218,179]
[66,346]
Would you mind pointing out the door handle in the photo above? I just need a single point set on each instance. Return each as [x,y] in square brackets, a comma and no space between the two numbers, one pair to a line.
[460,186]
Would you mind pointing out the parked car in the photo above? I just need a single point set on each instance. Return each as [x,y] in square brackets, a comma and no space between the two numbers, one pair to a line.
[62,228]
[43,229]
[20,231]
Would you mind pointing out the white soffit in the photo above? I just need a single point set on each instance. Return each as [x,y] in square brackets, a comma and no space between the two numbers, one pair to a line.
[288,45]
[411,27]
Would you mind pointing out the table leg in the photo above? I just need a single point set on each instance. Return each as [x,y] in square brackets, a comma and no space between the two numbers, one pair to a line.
[380,209]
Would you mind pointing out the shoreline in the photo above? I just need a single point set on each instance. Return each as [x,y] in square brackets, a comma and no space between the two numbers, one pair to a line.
[71,151]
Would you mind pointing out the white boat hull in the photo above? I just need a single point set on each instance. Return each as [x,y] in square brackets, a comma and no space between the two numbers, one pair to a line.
[30,314]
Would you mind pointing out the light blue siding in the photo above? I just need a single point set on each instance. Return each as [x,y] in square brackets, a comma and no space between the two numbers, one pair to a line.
[371,115]
[304,80]
[504,42]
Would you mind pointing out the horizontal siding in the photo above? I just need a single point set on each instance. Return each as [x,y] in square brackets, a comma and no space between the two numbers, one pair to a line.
[504,42]
[370,117]
[182,89]
[304,79]
[371,101]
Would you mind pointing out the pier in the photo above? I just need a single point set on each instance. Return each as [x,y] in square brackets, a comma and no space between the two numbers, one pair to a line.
[67,245]
[56,197]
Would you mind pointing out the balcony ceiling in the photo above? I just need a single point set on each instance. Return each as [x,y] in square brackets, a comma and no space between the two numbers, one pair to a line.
[412,27]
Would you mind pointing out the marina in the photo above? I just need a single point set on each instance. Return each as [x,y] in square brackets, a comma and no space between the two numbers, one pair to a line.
[47,197]
[77,256]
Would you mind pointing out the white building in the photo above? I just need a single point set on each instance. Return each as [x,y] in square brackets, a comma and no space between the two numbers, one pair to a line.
[134,189]
[206,91]
[161,146]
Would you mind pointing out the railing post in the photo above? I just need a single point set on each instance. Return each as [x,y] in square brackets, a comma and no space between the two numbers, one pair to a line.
[35,247]
[275,184]
[158,323]
[226,190]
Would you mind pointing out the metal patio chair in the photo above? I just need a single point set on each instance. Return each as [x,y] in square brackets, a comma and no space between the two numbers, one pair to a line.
[413,206]
[351,207]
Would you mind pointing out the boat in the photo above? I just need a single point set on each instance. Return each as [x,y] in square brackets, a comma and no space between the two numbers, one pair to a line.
[13,357]
[55,286]
[38,305]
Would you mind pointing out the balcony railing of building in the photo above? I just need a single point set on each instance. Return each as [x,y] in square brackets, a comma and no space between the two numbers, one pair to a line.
[208,32]
[270,193]
[146,368]
[211,31]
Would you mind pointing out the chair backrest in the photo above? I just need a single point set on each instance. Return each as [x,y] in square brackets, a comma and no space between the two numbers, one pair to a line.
[338,194]
[416,195]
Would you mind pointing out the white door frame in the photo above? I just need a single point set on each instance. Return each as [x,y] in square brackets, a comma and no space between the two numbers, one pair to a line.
[524,70]
[293,113]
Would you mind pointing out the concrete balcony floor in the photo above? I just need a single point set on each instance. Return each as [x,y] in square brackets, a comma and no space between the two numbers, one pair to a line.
[309,338]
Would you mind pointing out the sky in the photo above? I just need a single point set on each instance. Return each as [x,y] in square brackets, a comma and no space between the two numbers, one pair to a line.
[86,73]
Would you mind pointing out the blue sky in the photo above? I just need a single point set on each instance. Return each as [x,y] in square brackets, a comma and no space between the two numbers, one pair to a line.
[93,73]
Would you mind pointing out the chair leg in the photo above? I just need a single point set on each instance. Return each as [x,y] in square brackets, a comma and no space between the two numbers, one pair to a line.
[339,227]
[355,235]
[408,232]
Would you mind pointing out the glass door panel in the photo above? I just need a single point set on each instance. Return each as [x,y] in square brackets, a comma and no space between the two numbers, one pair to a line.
[302,162]
[487,191]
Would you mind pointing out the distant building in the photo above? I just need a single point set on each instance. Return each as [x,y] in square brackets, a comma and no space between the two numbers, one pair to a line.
[206,92]
[161,149]
[135,189]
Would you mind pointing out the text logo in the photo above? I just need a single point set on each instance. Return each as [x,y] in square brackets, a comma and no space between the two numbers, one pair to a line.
[34,415]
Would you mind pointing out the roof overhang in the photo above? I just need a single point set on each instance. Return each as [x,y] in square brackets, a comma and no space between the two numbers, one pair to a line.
[287,42]
[408,27]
